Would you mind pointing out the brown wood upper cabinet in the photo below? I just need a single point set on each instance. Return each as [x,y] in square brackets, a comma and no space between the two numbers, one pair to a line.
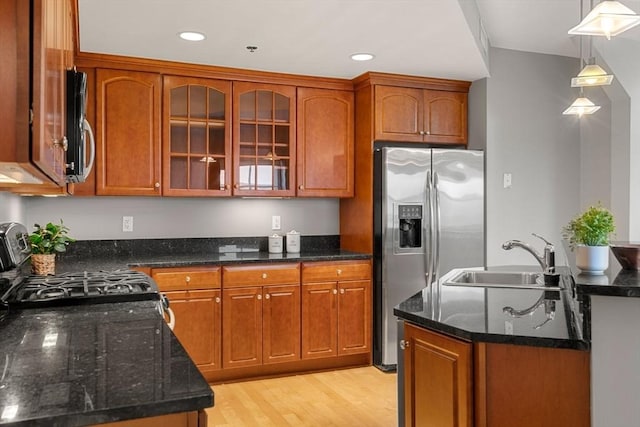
[128,133]
[264,146]
[196,137]
[420,115]
[37,50]
[325,142]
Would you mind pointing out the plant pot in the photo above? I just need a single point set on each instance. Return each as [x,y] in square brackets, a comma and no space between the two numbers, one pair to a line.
[43,264]
[592,259]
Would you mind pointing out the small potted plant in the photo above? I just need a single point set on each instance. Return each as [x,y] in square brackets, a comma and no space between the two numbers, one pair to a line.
[45,242]
[588,235]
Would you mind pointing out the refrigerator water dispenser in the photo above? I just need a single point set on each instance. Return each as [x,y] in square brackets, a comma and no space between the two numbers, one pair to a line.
[410,226]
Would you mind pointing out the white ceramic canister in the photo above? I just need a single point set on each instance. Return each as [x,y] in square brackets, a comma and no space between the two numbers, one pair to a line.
[275,244]
[293,241]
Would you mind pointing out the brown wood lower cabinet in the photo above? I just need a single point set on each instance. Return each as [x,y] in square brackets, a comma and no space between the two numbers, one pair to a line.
[261,324]
[195,298]
[182,419]
[451,382]
[336,308]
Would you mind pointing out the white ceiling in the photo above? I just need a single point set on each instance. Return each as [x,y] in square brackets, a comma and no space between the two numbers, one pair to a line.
[316,37]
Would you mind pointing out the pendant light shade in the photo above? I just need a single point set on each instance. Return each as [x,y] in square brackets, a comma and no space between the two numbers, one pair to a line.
[592,75]
[608,18]
[581,106]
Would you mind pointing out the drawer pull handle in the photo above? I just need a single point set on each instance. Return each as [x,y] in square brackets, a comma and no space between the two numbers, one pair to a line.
[264,275]
[217,300]
[259,296]
[187,279]
[335,291]
[339,272]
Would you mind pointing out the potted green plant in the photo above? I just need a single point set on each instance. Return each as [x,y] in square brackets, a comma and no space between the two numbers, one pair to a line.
[45,242]
[588,235]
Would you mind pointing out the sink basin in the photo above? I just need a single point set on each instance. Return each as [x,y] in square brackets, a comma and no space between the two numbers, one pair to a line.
[499,279]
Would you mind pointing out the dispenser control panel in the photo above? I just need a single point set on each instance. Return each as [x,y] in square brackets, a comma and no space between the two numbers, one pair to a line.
[410,212]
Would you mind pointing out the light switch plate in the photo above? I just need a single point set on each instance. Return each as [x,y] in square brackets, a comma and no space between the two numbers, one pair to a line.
[275,222]
[507,180]
[127,224]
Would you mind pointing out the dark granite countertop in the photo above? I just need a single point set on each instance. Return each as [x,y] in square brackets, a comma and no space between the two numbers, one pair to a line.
[81,365]
[113,254]
[476,314]
[614,282]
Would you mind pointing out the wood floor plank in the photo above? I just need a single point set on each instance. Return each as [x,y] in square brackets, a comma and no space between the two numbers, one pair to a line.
[352,397]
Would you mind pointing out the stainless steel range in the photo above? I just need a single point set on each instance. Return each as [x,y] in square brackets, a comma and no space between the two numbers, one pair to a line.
[20,290]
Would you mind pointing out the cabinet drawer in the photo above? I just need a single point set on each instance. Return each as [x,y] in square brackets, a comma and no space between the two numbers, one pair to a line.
[335,271]
[260,274]
[169,279]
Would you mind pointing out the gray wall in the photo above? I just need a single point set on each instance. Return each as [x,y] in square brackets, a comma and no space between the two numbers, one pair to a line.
[528,136]
[99,218]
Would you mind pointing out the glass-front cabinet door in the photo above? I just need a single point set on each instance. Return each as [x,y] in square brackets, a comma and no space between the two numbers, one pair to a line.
[264,139]
[196,137]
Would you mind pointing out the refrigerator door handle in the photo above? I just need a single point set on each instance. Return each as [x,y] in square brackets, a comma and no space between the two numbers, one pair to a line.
[428,253]
[437,228]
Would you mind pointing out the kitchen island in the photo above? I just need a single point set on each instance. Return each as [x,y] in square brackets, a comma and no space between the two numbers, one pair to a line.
[91,364]
[468,360]
[614,315]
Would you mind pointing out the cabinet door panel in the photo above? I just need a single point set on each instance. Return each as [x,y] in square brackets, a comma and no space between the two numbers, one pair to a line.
[281,323]
[198,321]
[446,116]
[242,327]
[438,379]
[264,146]
[196,137]
[128,133]
[354,317]
[325,143]
[319,320]
[398,114]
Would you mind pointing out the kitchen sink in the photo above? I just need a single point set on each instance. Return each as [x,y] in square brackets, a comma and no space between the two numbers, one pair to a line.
[498,279]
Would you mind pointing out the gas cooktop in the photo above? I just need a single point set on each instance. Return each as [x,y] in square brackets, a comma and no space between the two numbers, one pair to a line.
[81,288]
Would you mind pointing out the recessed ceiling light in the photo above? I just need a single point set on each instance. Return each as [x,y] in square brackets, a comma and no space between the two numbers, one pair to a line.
[362,57]
[192,36]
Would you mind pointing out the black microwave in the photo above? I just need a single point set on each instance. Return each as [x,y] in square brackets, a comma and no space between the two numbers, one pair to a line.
[78,128]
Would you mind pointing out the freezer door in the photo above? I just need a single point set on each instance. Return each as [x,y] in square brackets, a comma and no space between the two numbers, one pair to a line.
[405,237]
[459,187]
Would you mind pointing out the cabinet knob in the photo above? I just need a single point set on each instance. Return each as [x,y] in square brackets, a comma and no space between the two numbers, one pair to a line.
[259,296]
[335,291]
[341,291]
[157,185]
[300,187]
[428,132]
[217,300]
[264,275]
[236,186]
[421,132]
[226,186]
[187,279]
[267,296]
[339,272]
[404,344]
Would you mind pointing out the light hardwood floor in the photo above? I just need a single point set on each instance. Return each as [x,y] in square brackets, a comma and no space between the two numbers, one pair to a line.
[351,397]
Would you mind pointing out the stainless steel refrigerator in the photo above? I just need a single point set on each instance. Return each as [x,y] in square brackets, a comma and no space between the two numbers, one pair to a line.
[428,219]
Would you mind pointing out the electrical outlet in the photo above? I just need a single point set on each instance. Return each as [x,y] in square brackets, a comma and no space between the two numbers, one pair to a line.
[127,223]
[507,180]
[275,222]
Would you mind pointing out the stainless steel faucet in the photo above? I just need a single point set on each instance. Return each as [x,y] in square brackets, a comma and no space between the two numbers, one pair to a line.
[547,261]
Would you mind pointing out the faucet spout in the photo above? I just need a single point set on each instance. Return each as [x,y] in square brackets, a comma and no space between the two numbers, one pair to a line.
[510,244]
[547,261]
